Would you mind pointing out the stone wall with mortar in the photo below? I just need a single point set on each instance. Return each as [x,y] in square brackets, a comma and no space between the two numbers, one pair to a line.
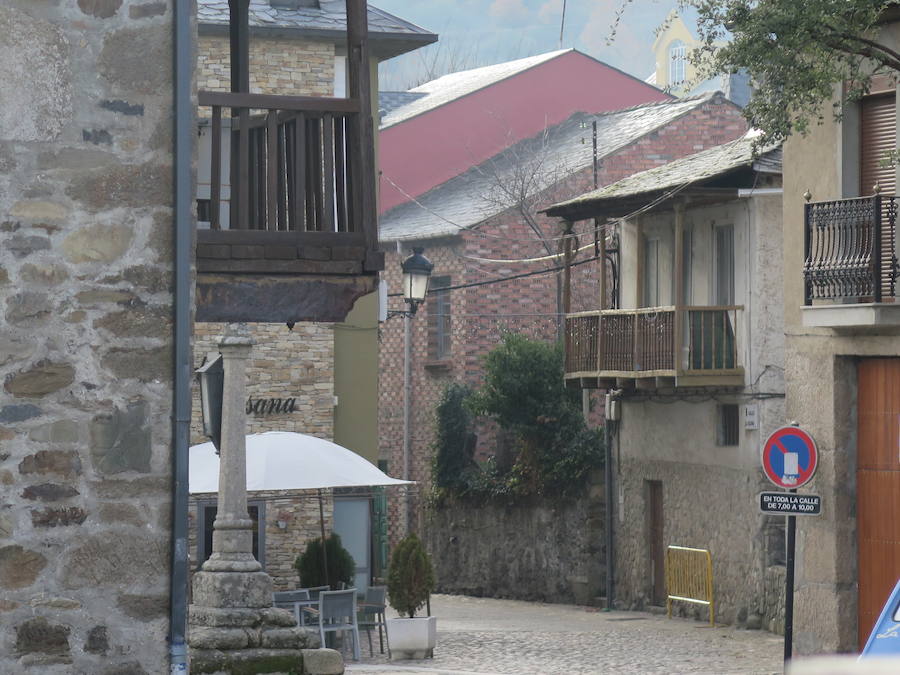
[297,509]
[86,269]
[285,67]
[545,550]
[285,364]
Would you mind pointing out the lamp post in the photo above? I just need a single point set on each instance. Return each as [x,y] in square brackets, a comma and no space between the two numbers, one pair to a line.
[416,274]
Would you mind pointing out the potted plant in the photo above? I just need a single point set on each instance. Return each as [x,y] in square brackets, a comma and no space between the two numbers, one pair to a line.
[409,584]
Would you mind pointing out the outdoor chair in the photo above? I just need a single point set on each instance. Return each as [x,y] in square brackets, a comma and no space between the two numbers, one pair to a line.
[294,601]
[371,614]
[337,613]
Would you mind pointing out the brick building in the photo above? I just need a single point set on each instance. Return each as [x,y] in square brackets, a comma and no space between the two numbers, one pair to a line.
[489,214]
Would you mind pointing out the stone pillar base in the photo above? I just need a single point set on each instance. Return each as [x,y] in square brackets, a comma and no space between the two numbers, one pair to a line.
[230,589]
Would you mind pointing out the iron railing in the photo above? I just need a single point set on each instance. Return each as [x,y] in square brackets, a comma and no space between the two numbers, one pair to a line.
[850,250]
[645,342]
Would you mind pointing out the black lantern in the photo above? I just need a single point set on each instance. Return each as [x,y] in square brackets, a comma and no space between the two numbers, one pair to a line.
[416,274]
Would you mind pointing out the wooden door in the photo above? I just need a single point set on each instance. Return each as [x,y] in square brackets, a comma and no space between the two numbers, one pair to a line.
[877,487]
[655,541]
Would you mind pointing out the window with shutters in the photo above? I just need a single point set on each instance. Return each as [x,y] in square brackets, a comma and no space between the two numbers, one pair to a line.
[439,319]
[878,131]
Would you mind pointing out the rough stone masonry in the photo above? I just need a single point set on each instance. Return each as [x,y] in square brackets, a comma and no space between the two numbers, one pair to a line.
[86,230]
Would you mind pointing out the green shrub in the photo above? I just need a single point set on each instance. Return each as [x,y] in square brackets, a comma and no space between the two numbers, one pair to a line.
[547,447]
[410,576]
[309,564]
[454,444]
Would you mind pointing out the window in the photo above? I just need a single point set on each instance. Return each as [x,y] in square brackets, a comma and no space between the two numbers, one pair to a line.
[723,261]
[206,516]
[728,424]
[677,60]
[651,272]
[439,319]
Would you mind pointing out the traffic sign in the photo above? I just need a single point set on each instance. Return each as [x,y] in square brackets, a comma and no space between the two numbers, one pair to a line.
[789,457]
[789,504]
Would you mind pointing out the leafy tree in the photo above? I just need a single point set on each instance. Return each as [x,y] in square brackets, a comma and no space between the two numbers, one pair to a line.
[410,576]
[524,391]
[311,568]
[796,53]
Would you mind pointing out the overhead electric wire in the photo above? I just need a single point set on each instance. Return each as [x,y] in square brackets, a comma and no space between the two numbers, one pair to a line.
[512,277]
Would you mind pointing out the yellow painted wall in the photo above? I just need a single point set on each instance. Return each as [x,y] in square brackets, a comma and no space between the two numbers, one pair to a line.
[675,29]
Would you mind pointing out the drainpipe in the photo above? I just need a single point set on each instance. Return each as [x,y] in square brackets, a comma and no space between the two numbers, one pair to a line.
[184,139]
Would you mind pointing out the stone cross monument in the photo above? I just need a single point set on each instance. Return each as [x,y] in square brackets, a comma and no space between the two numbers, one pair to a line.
[232,620]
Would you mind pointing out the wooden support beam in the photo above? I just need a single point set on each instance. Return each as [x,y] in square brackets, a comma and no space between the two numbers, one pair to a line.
[678,300]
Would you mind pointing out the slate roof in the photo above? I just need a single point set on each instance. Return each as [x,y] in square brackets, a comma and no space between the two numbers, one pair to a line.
[691,170]
[471,197]
[330,19]
[391,100]
[456,85]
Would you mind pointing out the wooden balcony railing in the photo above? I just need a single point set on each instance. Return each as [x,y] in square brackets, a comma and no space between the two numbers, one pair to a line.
[285,181]
[850,250]
[643,343]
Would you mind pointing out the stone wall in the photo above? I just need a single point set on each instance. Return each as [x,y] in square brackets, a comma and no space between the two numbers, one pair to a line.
[86,263]
[297,509]
[277,66]
[285,364]
[548,550]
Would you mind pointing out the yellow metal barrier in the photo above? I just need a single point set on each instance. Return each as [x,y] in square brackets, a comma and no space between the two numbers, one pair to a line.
[689,578]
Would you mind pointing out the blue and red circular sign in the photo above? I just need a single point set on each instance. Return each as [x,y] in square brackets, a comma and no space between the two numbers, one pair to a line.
[790,457]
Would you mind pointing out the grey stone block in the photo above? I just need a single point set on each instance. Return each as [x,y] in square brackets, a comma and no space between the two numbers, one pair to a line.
[322,662]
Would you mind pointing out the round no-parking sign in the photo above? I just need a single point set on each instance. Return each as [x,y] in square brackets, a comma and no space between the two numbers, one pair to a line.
[789,457]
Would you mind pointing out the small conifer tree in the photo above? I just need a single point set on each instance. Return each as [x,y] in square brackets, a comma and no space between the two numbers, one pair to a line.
[410,576]
[311,568]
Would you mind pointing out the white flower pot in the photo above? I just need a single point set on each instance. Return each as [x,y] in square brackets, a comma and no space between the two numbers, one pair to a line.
[412,638]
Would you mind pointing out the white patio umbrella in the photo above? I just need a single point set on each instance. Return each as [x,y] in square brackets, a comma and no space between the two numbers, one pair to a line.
[282,460]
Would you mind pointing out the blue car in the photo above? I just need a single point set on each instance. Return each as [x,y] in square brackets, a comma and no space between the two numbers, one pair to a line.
[884,640]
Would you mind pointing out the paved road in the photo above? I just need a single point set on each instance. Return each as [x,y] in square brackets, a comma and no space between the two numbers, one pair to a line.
[482,636]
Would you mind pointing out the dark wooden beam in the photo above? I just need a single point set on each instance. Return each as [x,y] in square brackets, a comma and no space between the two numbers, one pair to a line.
[255,298]
[239,32]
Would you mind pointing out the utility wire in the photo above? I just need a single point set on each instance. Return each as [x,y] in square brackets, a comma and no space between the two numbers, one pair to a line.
[501,280]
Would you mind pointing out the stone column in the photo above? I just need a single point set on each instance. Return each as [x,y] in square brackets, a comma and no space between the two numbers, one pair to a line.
[232,544]
[232,622]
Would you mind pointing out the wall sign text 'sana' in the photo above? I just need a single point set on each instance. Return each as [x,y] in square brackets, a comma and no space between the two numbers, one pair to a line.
[271,406]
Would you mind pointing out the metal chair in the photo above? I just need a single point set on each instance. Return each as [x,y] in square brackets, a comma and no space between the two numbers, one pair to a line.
[337,613]
[371,612]
[294,601]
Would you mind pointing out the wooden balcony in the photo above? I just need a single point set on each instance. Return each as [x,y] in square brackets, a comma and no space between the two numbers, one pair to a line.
[850,265]
[655,347]
[284,192]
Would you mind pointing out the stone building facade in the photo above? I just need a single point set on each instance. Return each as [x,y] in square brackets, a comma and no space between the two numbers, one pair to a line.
[479,315]
[86,287]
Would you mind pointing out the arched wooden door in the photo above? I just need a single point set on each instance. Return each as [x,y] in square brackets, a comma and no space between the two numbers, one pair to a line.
[877,487]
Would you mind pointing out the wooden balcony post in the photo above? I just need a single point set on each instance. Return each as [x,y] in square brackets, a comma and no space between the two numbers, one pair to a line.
[679,285]
[362,157]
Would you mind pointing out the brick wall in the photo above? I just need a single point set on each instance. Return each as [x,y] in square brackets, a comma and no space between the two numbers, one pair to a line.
[480,315]
[277,66]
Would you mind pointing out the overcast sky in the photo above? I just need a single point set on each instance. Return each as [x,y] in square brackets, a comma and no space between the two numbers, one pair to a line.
[478,32]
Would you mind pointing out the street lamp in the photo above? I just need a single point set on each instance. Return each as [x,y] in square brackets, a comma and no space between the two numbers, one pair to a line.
[416,273]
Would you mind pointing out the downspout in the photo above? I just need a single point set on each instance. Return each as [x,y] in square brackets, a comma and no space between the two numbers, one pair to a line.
[184,139]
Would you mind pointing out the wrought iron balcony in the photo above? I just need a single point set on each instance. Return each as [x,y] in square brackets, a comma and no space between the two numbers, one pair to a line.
[284,189]
[697,346]
[850,250]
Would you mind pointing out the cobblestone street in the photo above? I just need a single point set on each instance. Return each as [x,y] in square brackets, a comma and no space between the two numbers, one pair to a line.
[491,637]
